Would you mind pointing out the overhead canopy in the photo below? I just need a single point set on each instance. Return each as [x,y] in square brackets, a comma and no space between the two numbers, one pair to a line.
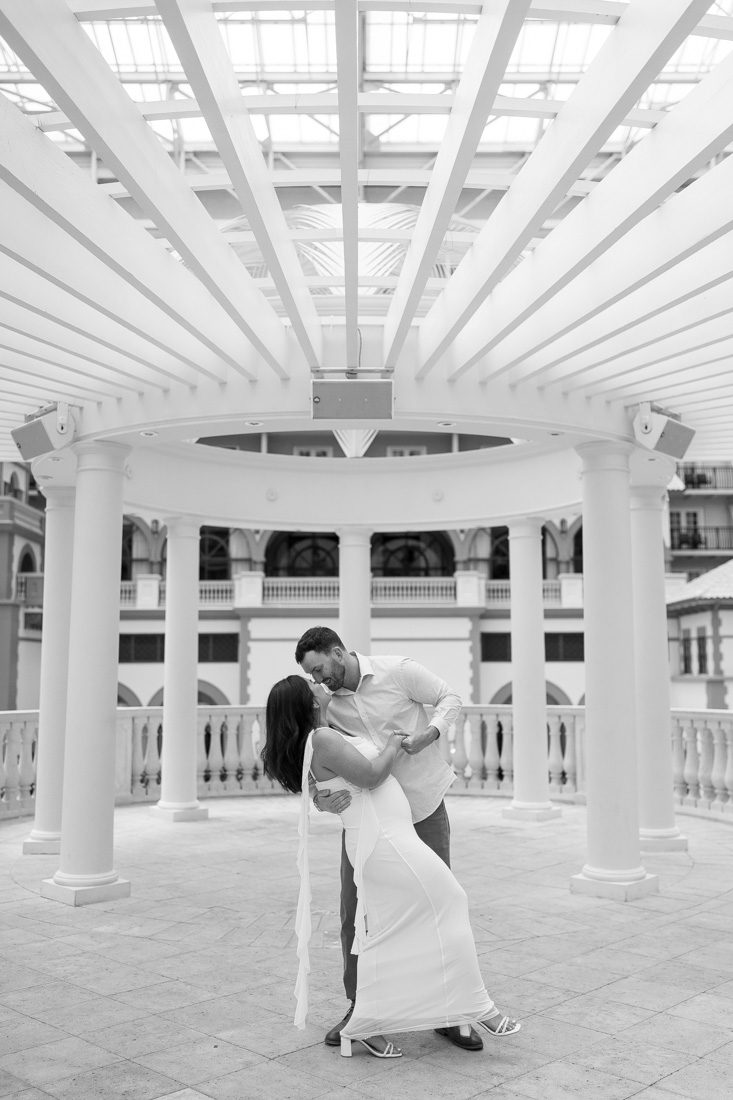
[518,211]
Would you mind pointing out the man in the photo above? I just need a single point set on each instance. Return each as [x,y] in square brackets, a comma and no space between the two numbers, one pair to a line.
[370,697]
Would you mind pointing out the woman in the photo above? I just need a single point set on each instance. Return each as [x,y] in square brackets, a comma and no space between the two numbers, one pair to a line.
[417,960]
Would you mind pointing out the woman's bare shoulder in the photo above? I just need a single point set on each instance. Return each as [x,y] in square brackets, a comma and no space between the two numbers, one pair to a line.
[324,735]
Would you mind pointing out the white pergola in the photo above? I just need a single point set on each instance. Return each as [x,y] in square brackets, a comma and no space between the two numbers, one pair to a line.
[516,212]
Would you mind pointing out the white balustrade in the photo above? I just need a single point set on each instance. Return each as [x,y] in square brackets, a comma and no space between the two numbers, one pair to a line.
[128,590]
[300,590]
[18,744]
[702,755]
[219,593]
[479,749]
[413,590]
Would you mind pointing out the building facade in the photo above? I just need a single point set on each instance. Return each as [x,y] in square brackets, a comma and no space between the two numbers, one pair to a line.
[442,596]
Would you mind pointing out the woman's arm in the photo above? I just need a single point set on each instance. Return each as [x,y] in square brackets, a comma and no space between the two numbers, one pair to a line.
[332,753]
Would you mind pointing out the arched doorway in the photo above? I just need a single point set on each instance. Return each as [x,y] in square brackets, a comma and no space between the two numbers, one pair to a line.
[412,554]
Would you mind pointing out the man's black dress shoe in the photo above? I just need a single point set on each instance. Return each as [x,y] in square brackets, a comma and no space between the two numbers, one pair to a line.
[466,1042]
[333,1037]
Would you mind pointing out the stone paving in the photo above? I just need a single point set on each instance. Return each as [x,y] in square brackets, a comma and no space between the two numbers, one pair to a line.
[185,989]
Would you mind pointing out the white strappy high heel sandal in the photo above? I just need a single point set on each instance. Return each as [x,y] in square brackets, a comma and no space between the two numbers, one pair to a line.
[390,1051]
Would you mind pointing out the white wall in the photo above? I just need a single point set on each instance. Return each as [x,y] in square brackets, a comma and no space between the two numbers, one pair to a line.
[29,673]
[441,644]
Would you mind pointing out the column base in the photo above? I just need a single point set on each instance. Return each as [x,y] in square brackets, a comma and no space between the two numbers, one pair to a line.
[171,811]
[617,891]
[527,811]
[662,840]
[85,895]
[42,844]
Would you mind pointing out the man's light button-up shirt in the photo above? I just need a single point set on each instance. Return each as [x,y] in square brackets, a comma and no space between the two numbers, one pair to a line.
[392,694]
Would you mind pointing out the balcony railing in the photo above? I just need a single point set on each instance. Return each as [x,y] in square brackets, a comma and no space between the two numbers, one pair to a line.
[281,591]
[479,749]
[499,592]
[702,538]
[707,477]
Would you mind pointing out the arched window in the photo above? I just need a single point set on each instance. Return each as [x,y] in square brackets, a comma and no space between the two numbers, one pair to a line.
[578,551]
[499,554]
[412,554]
[27,562]
[300,554]
[128,531]
[214,559]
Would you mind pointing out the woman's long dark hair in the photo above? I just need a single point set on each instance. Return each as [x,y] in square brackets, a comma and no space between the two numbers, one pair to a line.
[289,718]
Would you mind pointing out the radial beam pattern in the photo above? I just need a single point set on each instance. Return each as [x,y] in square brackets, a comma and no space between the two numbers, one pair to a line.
[521,205]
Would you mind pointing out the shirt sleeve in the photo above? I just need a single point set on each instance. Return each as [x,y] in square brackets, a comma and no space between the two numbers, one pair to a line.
[423,686]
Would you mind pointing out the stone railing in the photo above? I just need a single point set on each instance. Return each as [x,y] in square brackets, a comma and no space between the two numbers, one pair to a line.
[277,591]
[479,748]
[413,590]
[499,592]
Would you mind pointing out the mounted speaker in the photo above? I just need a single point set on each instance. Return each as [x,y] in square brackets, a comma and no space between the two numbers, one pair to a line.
[352,399]
[659,432]
[45,432]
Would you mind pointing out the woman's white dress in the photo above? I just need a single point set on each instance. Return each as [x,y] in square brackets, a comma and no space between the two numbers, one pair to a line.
[417,960]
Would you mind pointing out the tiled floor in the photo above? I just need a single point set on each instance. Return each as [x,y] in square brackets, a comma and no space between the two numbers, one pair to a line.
[185,989]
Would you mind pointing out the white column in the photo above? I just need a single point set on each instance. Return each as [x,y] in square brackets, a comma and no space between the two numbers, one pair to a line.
[531,785]
[355,588]
[86,872]
[658,829]
[613,867]
[178,793]
[45,836]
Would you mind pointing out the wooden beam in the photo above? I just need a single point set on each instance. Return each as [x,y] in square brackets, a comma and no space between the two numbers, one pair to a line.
[494,39]
[700,127]
[198,42]
[54,46]
[347,54]
[634,52]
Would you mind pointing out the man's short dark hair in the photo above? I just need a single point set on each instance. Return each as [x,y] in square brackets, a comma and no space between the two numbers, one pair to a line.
[320,639]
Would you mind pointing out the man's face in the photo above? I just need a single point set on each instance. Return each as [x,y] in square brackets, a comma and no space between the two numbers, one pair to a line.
[325,668]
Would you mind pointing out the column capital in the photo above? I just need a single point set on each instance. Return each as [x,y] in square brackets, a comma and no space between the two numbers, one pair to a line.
[605,454]
[181,527]
[59,497]
[100,454]
[649,498]
[354,536]
[526,527]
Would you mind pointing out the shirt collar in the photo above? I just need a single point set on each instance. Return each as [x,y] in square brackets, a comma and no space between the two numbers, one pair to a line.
[365,669]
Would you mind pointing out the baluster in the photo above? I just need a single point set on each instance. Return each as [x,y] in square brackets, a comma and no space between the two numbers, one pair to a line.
[258,744]
[12,772]
[3,773]
[231,755]
[137,766]
[152,757]
[472,730]
[492,759]
[251,767]
[727,727]
[216,759]
[717,774]
[506,757]
[692,764]
[580,791]
[202,763]
[678,761]
[570,762]
[238,742]
[460,759]
[554,753]
[27,768]
[705,736]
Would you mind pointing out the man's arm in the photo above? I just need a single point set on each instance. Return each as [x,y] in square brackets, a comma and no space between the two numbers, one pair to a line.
[423,686]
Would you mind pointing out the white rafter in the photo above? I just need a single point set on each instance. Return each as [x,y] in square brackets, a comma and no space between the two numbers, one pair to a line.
[491,48]
[643,39]
[197,39]
[700,127]
[347,49]
[54,46]
[355,442]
